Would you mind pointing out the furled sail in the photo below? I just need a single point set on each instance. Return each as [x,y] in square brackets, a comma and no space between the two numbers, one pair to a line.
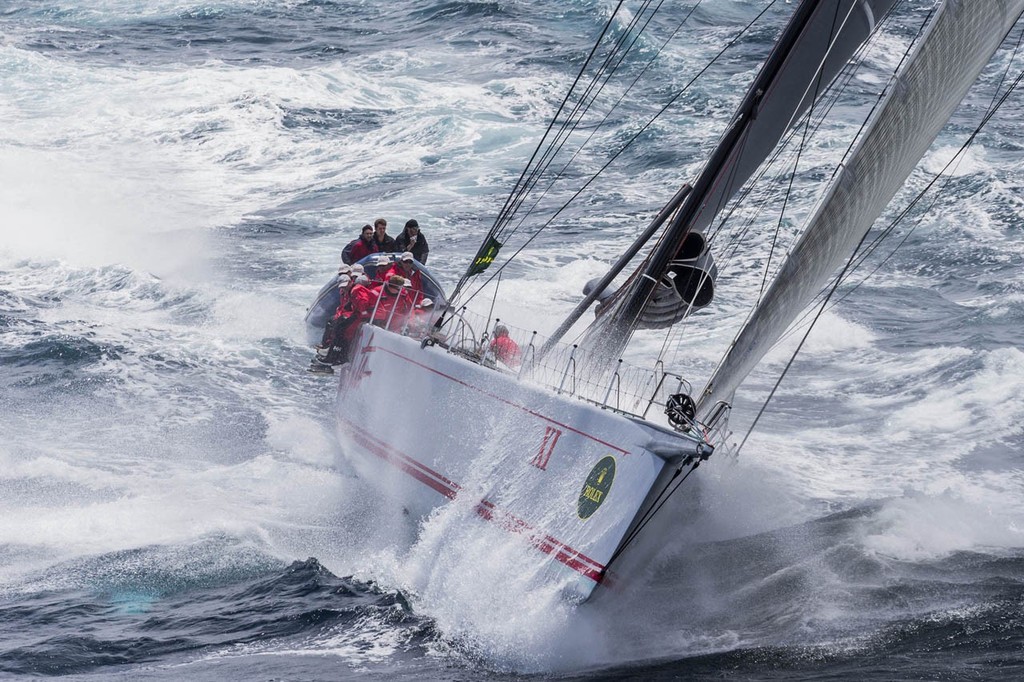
[956,46]
[819,40]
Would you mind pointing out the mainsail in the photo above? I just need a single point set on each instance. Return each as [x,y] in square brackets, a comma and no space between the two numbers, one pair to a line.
[817,43]
[957,45]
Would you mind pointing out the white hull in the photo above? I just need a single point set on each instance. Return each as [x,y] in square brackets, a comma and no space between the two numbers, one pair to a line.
[568,476]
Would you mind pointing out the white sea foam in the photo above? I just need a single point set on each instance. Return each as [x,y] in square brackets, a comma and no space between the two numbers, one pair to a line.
[922,527]
[104,214]
[952,163]
[832,333]
[982,406]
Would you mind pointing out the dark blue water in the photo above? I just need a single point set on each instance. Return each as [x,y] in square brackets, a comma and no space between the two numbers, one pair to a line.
[177,180]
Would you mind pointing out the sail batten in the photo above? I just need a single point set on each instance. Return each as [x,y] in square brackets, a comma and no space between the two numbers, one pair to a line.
[954,49]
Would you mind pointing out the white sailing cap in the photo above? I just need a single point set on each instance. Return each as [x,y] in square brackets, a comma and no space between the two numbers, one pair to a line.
[344,280]
[357,269]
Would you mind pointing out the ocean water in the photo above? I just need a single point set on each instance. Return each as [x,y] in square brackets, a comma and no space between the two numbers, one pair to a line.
[177,179]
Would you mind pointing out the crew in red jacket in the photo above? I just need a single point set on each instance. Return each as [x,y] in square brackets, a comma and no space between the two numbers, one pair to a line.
[361,298]
[395,304]
[406,268]
[504,348]
[358,249]
[333,347]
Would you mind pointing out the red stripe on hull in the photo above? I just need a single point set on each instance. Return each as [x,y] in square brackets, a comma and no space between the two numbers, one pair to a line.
[561,552]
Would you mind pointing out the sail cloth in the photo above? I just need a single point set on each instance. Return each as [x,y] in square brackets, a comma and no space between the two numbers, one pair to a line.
[956,46]
[818,41]
[688,285]
[835,30]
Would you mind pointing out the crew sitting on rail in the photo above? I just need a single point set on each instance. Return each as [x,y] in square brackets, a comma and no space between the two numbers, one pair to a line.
[333,348]
[394,304]
[381,270]
[405,266]
[362,297]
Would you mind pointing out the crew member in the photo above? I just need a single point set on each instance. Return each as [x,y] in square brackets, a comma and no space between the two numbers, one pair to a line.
[384,241]
[505,349]
[411,239]
[360,248]
[405,267]
[333,348]
[394,304]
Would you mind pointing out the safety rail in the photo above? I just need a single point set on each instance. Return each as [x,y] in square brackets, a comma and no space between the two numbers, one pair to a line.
[566,369]
[409,312]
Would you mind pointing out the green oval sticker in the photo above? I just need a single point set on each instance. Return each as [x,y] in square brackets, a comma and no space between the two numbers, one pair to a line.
[596,488]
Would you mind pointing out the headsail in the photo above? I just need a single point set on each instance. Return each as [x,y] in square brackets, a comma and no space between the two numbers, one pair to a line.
[947,60]
[819,40]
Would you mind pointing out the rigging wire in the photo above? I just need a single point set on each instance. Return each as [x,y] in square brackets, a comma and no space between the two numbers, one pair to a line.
[996,102]
[662,497]
[849,149]
[665,493]
[811,127]
[873,246]
[612,61]
[817,85]
[554,118]
[792,358]
[785,146]
[616,48]
[856,258]
[782,210]
[540,145]
[614,106]
[831,100]
[626,145]
[490,311]
[994,105]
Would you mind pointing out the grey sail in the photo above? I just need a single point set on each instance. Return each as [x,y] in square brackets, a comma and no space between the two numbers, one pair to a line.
[835,30]
[957,45]
[816,44]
